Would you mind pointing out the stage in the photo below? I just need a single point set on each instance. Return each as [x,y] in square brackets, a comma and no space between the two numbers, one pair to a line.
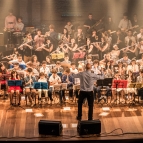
[18,124]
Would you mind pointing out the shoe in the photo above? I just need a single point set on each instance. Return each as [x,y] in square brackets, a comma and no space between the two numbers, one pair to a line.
[78,118]
[99,100]
[40,102]
[64,99]
[105,100]
[11,104]
[32,105]
[71,99]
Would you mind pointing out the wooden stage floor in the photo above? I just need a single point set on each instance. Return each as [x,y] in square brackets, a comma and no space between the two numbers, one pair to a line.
[19,124]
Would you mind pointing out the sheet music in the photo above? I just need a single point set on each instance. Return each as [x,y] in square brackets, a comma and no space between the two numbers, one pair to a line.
[77,81]
[64,85]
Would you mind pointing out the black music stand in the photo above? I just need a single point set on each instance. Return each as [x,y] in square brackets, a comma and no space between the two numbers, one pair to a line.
[105,82]
[15,83]
[108,82]
[40,85]
[100,82]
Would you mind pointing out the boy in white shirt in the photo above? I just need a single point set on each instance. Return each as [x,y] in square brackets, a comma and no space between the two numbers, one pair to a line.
[53,80]
[18,60]
[44,68]
[73,69]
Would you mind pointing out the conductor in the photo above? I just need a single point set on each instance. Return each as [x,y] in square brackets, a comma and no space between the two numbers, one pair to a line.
[87,79]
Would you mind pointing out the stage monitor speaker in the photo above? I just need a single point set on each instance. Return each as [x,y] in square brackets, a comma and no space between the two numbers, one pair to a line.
[47,127]
[1,39]
[86,127]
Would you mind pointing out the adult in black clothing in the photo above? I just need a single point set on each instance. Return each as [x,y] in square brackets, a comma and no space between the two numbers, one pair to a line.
[53,36]
[135,22]
[47,48]
[94,36]
[27,47]
[109,25]
[89,23]
[87,79]
[119,39]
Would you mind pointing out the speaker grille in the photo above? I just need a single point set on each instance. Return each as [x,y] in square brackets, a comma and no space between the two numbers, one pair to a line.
[47,127]
[86,127]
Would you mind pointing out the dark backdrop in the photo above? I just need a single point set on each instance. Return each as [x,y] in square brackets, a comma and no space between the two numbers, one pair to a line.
[39,13]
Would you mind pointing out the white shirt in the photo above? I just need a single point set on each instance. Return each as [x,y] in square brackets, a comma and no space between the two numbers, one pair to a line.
[125,24]
[69,28]
[55,79]
[42,80]
[139,36]
[127,39]
[96,70]
[45,70]
[16,61]
[19,26]
[75,71]
[133,68]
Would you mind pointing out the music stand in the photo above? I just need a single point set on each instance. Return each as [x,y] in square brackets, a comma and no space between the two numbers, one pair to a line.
[6,76]
[40,85]
[100,82]
[108,82]
[15,83]
[132,85]
[119,84]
